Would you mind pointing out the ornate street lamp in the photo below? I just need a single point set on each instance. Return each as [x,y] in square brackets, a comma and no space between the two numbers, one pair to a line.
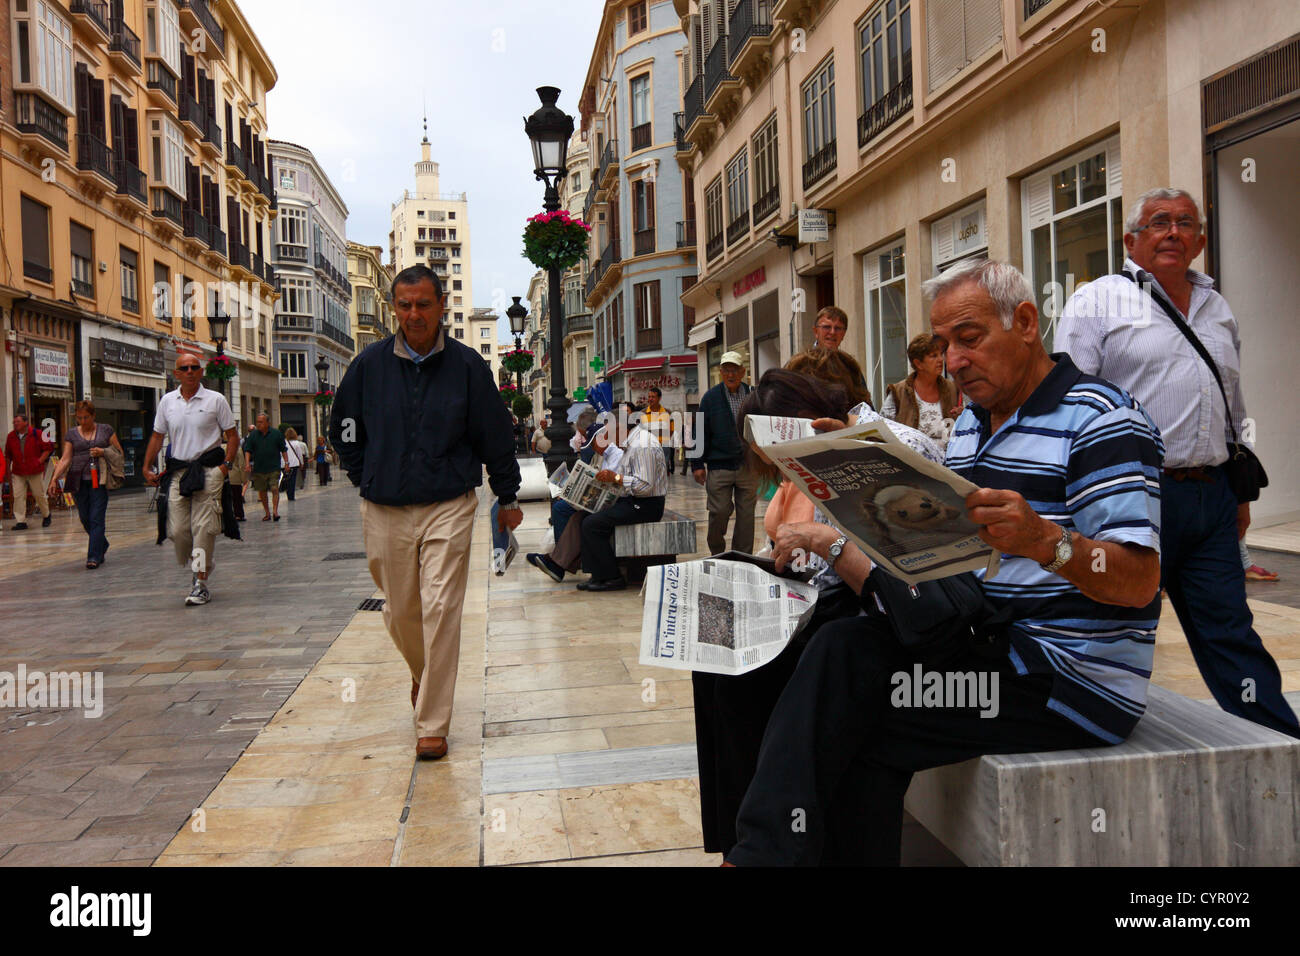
[518,316]
[322,369]
[219,326]
[550,129]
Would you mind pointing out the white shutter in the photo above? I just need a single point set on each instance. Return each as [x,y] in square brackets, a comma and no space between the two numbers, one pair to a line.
[945,42]
[1038,200]
[942,237]
[983,25]
[872,269]
[1114,181]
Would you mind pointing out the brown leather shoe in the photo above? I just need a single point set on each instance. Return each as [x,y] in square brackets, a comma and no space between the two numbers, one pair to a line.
[415,692]
[431,748]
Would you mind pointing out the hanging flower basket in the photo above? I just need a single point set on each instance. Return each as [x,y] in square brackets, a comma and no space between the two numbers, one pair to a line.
[325,399]
[517,361]
[220,368]
[555,240]
[508,393]
[522,406]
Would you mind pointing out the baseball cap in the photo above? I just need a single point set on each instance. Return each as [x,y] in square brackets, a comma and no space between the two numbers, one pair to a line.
[732,358]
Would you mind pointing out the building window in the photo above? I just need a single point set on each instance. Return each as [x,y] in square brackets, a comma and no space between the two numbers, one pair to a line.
[293,364]
[456,284]
[82,242]
[884,66]
[36,241]
[576,182]
[460,333]
[738,197]
[44,52]
[959,236]
[767,189]
[648,323]
[636,18]
[819,124]
[163,33]
[295,297]
[957,32]
[162,293]
[168,154]
[886,285]
[293,226]
[713,219]
[460,316]
[642,128]
[189,293]
[643,216]
[485,333]
[455,268]
[130,281]
[1074,227]
[486,350]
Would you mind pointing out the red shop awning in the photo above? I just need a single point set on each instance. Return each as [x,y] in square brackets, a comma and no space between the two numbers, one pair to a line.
[679,360]
[643,364]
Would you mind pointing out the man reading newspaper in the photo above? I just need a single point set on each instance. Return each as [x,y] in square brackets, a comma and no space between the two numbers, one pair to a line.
[1067,469]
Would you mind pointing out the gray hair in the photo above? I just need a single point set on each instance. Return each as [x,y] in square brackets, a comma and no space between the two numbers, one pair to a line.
[1005,284]
[1139,206]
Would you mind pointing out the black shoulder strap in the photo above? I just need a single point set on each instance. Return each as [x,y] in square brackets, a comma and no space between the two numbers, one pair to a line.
[1191,336]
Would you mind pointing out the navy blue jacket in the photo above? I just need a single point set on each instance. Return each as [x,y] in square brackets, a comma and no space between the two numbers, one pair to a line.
[409,433]
[720,446]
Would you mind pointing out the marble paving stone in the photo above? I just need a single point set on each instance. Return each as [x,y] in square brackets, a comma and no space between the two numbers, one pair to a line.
[587,722]
[630,818]
[521,745]
[694,856]
[559,674]
[558,771]
[519,827]
[616,698]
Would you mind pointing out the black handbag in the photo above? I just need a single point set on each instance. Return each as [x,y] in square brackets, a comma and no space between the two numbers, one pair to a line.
[936,620]
[1244,471]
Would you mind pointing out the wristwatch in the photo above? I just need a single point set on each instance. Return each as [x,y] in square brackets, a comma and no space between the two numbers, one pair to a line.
[836,550]
[509,506]
[1064,552]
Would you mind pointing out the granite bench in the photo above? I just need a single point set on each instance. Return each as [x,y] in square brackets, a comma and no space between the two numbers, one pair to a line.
[637,546]
[1192,786]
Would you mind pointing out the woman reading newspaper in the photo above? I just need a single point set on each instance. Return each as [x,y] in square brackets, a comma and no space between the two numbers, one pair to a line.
[731,712]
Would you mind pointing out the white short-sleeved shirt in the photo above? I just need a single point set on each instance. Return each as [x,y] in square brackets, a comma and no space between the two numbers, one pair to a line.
[192,427]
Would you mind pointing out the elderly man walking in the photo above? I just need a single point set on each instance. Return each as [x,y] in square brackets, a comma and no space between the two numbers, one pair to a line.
[1070,668]
[27,452]
[415,419]
[268,453]
[195,421]
[718,460]
[1126,328]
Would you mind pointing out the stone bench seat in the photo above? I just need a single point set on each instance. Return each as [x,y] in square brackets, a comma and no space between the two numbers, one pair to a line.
[1192,786]
[654,542]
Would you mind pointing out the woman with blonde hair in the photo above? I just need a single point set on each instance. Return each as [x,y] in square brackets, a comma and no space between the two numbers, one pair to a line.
[926,400]
[296,453]
[83,447]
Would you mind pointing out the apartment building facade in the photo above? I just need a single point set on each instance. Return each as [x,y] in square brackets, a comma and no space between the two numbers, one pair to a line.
[133,188]
[371,310]
[922,132]
[313,316]
[638,268]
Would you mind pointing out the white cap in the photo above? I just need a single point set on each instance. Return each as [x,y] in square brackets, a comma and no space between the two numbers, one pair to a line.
[732,358]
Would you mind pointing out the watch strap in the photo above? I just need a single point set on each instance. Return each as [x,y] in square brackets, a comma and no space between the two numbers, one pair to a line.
[1064,551]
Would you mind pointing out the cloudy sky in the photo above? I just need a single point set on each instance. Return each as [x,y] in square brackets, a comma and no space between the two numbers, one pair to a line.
[352,80]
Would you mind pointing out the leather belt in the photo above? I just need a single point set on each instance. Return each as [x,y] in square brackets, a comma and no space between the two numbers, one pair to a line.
[1201,473]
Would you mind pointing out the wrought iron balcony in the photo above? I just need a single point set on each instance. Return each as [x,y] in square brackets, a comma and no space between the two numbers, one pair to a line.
[686,234]
[212,131]
[258,268]
[767,204]
[820,164]
[608,160]
[93,154]
[738,228]
[198,9]
[32,114]
[93,12]
[715,68]
[750,19]
[83,288]
[160,78]
[295,323]
[643,242]
[194,224]
[239,254]
[592,278]
[130,304]
[124,41]
[235,158]
[612,253]
[290,253]
[217,239]
[165,205]
[882,113]
[713,248]
[641,136]
[679,132]
[693,102]
[187,107]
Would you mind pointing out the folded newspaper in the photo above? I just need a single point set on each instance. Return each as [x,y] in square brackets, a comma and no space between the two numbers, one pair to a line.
[585,492]
[729,614]
[907,513]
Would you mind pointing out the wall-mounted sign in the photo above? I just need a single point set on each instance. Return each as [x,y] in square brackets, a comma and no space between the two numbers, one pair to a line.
[122,355]
[814,225]
[50,367]
[751,281]
[657,381]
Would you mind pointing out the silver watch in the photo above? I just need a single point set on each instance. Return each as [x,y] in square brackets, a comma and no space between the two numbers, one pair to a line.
[1064,552]
[513,506]
[836,550]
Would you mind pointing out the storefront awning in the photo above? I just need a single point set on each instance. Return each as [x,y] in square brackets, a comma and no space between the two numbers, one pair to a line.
[135,379]
[702,332]
[677,361]
[643,364]
[52,391]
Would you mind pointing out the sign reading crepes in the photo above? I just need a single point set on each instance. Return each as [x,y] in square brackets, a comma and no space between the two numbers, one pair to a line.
[50,367]
[814,225]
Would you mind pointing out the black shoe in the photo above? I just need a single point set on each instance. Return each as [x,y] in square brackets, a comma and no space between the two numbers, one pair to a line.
[613,584]
[21,526]
[548,567]
[45,522]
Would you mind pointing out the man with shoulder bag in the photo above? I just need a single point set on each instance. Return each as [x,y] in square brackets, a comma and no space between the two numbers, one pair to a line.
[1160,330]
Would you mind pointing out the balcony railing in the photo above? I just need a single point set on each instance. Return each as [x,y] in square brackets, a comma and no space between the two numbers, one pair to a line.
[295,323]
[715,68]
[592,278]
[194,224]
[211,131]
[612,253]
[94,10]
[767,204]
[217,239]
[679,132]
[33,115]
[257,266]
[643,242]
[1033,6]
[752,18]
[165,205]
[296,386]
[130,179]
[291,253]
[608,159]
[693,101]
[93,154]
[235,157]
[130,305]
[201,13]
[187,107]
[238,254]
[123,40]
[686,234]
[160,78]
[738,228]
[880,114]
[820,164]
[713,248]
[83,288]
[40,273]
[641,136]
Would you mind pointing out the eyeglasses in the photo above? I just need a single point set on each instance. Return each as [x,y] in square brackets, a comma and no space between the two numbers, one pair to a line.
[1163,225]
[841,329]
[188,368]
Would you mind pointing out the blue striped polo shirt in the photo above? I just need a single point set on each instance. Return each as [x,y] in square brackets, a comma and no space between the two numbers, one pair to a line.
[1086,456]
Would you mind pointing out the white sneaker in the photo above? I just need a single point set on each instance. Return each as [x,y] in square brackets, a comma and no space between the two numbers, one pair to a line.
[198,594]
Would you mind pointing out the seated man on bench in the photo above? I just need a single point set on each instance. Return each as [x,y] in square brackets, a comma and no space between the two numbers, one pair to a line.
[1080,579]
[643,476]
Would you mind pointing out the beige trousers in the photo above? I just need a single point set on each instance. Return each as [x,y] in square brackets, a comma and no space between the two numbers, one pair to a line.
[724,487]
[193,523]
[419,557]
[21,484]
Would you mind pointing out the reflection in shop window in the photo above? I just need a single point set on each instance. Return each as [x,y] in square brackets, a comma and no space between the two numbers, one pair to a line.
[886,285]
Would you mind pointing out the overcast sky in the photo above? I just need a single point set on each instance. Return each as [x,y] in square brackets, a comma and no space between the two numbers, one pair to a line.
[352,80]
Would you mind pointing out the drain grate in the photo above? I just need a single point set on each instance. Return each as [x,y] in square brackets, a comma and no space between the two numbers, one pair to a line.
[371,604]
[344,556]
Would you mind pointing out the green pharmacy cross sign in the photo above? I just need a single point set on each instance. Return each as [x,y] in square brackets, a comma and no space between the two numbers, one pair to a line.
[597,364]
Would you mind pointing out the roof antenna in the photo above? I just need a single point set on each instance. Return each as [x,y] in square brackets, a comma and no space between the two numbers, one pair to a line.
[426,120]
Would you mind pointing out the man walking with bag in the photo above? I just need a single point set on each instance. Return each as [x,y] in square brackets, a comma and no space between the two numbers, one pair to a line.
[1161,331]
[268,453]
[27,451]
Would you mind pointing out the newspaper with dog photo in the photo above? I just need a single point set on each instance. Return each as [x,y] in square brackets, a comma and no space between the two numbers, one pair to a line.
[585,491]
[907,513]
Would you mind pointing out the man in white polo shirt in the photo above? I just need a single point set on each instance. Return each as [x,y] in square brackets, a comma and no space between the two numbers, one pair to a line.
[195,421]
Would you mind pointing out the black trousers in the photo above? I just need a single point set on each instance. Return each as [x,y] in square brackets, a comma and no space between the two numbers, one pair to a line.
[837,757]
[598,558]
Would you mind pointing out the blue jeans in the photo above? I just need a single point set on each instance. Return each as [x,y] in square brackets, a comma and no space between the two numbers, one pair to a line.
[291,482]
[1200,569]
[92,506]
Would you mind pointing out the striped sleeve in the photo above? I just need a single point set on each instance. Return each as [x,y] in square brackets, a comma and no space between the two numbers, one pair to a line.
[1113,473]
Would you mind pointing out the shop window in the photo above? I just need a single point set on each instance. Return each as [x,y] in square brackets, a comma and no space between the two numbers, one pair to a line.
[885,281]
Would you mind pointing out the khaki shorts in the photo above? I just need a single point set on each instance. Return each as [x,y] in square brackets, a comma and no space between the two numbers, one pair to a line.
[266,481]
